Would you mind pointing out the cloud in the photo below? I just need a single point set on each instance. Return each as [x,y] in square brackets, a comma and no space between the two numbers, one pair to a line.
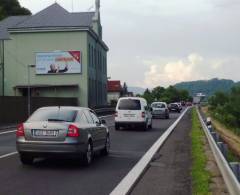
[173,72]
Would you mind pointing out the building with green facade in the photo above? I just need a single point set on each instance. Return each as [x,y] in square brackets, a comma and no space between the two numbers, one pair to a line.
[29,44]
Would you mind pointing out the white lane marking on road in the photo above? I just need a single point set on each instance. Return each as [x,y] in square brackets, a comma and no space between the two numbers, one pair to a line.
[7,132]
[7,155]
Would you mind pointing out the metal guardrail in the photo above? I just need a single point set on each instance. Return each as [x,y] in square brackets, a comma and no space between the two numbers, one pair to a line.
[129,181]
[103,111]
[230,179]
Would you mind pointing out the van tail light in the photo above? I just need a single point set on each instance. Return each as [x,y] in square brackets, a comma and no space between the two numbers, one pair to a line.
[20,130]
[116,114]
[143,114]
[73,131]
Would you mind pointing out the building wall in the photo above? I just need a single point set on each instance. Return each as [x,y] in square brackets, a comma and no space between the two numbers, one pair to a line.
[97,71]
[1,67]
[20,52]
[113,96]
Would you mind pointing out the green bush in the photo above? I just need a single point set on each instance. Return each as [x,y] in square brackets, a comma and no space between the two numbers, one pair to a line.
[226,108]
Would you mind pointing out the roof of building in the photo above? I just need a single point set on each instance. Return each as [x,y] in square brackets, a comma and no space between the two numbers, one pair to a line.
[57,16]
[52,16]
[114,86]
[9,23]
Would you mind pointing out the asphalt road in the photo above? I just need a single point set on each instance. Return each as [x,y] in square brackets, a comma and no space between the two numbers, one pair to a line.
[67,176]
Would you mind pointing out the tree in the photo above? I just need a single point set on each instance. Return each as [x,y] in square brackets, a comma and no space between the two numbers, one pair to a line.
[12,8]
[158,92]
[124,89]
[184,95]
[148,96]
[171,94]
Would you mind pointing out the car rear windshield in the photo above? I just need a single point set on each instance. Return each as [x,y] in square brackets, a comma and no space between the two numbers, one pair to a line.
[174,105]
[129,104]
[53,115]
[158,105]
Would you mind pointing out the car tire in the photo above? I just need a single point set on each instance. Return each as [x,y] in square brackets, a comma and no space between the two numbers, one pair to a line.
[88,155]
[150,126]
[106,148]
[26,159]
[144,126]
[117,127]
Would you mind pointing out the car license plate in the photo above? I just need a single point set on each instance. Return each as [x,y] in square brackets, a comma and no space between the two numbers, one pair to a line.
[45,133]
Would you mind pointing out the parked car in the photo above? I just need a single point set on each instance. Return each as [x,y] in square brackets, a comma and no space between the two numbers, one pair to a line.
[62,131]
[174,107]
[160,109]
[133,111]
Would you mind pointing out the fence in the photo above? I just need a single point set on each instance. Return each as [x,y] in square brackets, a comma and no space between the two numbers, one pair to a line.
[14,109]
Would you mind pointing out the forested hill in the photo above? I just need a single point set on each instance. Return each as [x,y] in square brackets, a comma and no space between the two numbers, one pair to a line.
[12,8]
[208,87]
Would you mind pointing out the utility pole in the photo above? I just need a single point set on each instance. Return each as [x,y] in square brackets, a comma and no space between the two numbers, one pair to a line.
[2,66]
[29,89]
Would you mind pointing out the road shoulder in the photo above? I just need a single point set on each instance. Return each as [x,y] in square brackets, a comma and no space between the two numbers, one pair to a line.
[170,171]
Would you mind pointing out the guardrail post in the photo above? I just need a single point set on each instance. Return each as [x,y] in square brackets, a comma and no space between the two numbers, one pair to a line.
[215,136]
[235,166]
[210,128]
[224,148]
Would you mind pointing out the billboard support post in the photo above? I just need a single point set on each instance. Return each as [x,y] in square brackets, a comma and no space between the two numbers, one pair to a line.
[29,90]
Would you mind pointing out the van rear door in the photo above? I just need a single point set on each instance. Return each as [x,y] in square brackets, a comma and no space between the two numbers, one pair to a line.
[130,110]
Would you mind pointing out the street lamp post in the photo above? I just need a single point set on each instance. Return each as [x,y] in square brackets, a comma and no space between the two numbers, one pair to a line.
[29,90]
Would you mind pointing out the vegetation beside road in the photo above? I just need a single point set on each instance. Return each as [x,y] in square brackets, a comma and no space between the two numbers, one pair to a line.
[168,95]
[227,134]
[200,176]
[225,107]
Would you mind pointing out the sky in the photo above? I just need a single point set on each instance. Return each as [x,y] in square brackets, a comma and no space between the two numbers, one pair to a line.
[163,42]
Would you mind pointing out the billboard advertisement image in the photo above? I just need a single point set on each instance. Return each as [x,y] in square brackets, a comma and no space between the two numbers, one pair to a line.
[60,62]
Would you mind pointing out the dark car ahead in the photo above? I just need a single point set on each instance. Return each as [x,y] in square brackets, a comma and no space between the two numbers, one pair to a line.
[174,107]
[62,131]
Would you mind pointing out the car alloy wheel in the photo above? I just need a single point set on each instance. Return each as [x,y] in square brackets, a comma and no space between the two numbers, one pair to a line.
[89,154]
[105,150]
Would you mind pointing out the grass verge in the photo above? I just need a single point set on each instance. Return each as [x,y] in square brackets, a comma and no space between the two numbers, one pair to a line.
[200,176]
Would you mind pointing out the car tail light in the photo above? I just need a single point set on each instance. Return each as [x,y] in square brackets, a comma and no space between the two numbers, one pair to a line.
[143,114]
[20,130]
[116,114]
[73,131]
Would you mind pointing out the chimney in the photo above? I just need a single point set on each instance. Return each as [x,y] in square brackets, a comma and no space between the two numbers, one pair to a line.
[97,27]
[97,10]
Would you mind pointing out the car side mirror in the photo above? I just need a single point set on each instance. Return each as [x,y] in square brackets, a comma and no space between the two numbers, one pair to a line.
[103,122]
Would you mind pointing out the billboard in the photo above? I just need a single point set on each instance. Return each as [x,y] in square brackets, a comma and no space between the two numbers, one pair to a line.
[60,62]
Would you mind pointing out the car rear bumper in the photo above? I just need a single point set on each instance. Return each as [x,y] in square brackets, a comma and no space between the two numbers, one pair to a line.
[51,149]
[129,123]
[159,114]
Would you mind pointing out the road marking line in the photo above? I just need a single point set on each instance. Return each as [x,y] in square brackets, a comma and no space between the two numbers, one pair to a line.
[7,132]
[7,155]
[128,182]
[106,116]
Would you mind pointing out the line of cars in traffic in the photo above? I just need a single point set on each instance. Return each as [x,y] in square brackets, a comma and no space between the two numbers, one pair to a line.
[78,132]
[135,112]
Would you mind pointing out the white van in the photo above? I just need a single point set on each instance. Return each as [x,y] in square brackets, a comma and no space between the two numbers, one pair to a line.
[133,111]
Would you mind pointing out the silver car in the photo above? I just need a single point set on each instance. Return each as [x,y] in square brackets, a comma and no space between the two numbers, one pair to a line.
[160,109]
[62,131]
